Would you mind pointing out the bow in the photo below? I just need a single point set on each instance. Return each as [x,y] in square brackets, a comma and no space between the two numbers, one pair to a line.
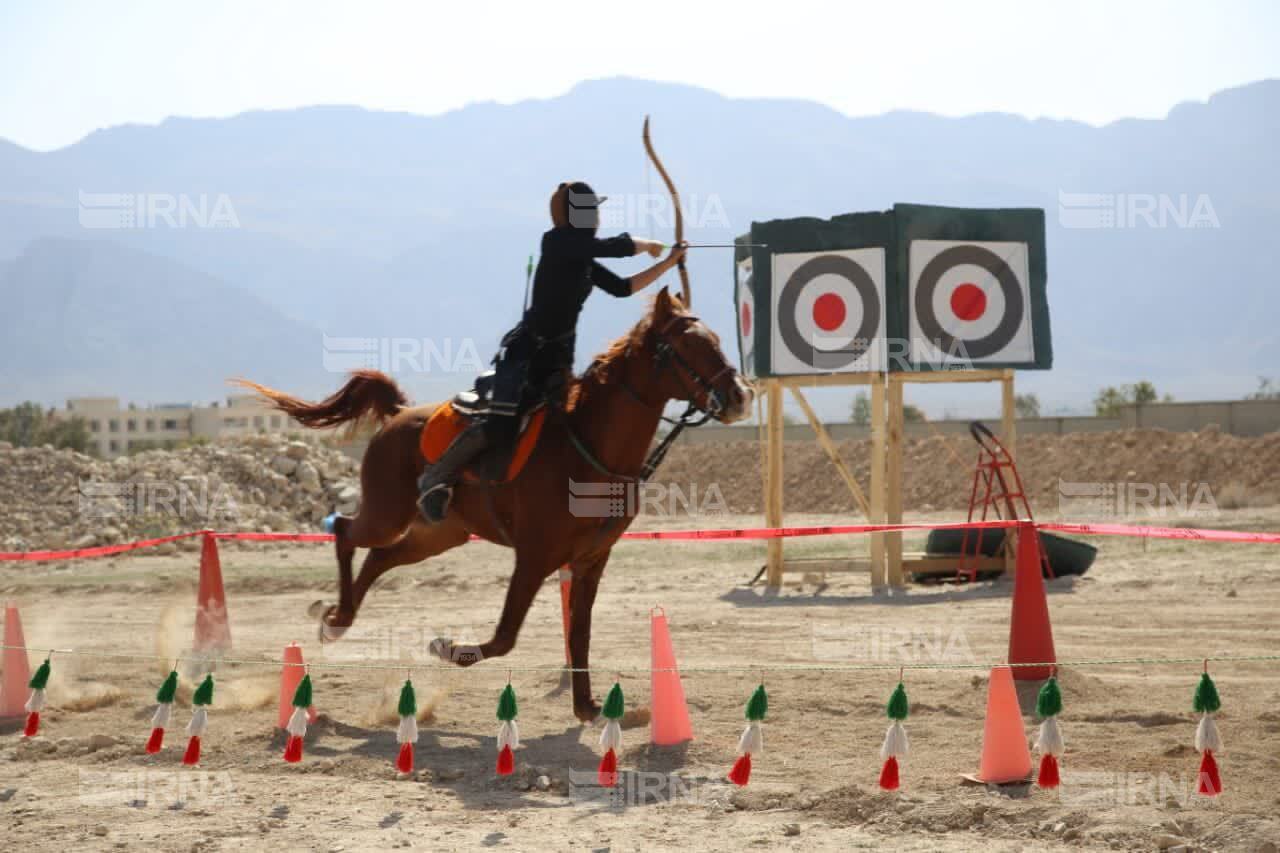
[675,201]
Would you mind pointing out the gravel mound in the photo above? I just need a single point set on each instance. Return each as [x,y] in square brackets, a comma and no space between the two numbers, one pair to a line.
[63,499]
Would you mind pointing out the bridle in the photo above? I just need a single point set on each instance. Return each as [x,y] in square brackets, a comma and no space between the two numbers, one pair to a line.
[665,355]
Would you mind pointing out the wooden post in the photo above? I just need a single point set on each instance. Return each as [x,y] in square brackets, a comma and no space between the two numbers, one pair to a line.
[1008,413]
[773,497]
[829,446]
[1009,437]
[878,566]
[893,477]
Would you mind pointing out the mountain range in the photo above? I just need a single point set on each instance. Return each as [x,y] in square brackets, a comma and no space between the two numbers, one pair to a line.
[339,221]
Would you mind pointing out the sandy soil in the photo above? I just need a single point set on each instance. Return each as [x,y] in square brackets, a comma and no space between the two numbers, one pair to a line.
[1130,767]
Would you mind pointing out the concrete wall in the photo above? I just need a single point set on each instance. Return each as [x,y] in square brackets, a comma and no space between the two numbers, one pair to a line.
[1237,417]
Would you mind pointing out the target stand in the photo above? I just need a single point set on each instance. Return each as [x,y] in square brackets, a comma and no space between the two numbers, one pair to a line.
[916,294]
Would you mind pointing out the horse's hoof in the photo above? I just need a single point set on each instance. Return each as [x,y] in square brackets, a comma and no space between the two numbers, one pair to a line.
[315,609]
[588,712]
[330,633]
[459,653]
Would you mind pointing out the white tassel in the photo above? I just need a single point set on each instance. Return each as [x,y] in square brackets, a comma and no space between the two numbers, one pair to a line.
[160,720]
[509,735]
[298,722]
[752,740]
[611,737]
[895,742]
[408,730]
[199,722]
[1207,737]
[36,701]
[1050,741]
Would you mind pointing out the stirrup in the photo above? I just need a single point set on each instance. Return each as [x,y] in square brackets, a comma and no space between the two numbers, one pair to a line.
[434,502]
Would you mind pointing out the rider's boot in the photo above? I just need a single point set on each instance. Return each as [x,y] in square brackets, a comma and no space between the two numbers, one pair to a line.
[435,486]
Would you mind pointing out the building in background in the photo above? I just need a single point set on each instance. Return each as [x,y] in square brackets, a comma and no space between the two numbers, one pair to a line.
[113,430]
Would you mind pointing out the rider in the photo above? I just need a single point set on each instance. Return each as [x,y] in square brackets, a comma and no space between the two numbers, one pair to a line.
[536,357]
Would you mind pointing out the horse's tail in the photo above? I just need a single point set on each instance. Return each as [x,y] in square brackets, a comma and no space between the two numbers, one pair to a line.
[367,391]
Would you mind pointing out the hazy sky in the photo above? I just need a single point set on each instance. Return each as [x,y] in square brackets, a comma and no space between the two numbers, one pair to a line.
[67,68]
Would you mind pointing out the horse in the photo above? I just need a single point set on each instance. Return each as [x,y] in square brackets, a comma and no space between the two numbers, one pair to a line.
[602,434]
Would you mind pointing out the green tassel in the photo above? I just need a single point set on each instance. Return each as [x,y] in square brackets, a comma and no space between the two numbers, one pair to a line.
[507,704]
[897,709]
[758,705]
[204,693]
[302,696]
[1206,701]
[165,694]
[613,704]
[41,677]
[408,701]
[1049,700]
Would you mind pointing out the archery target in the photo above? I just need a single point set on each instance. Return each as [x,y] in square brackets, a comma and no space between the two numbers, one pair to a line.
[969,303]
[828,311]
[746,318]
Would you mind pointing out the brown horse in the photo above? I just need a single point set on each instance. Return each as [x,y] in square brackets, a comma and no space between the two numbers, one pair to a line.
[609,421]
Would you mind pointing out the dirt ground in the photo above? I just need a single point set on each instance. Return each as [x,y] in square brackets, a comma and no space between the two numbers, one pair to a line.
[1129,770]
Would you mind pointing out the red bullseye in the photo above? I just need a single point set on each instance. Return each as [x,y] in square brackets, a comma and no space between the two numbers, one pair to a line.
[828,312]
[968,302]
[746,319]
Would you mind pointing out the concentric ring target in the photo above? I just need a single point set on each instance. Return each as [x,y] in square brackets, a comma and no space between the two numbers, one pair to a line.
[832,341]
[968,303]
[746,317]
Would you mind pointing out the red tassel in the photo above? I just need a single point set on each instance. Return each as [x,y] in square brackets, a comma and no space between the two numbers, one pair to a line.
[155,741]
[608,773]
[889,774]
[741,772]
[1048,777]
[33,724]
[1210,781]
[293,749]
[506,762]
[404,761]
[192,756]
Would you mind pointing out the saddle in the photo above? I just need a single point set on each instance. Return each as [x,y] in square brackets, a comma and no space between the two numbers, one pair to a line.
[498,464]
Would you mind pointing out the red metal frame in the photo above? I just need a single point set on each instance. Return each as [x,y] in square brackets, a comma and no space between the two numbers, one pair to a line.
[994,466]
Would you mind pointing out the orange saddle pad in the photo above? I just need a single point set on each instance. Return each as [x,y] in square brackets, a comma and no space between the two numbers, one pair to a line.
[446,423]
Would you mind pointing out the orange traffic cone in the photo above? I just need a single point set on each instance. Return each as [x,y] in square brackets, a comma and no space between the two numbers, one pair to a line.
[1030,634]
[669,723]
[213,633]
[290,677]
[17,670]
[1005,756]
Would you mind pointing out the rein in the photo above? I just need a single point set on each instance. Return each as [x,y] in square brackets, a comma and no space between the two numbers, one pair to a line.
[693,415]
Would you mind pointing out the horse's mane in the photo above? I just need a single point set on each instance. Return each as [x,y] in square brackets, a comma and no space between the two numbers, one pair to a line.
[606,368]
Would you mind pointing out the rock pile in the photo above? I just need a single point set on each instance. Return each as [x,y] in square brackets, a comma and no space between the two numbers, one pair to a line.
[63,499]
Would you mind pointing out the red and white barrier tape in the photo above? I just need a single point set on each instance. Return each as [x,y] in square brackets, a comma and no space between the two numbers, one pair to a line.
[739,533]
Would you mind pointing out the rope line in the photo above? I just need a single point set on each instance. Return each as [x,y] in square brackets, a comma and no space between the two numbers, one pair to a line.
[402,666]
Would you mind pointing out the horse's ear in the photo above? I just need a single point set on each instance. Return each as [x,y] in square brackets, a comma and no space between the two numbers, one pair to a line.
[663,305]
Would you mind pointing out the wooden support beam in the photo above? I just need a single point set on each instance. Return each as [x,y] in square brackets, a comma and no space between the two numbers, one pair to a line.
[1009,437]
[828,380]
[893,479]
[879,573]
[1008,413]
[948,565]
[773,463]
[926,377]
[829,446]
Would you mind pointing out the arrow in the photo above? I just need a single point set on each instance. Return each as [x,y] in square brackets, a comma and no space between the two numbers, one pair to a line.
[722,245]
